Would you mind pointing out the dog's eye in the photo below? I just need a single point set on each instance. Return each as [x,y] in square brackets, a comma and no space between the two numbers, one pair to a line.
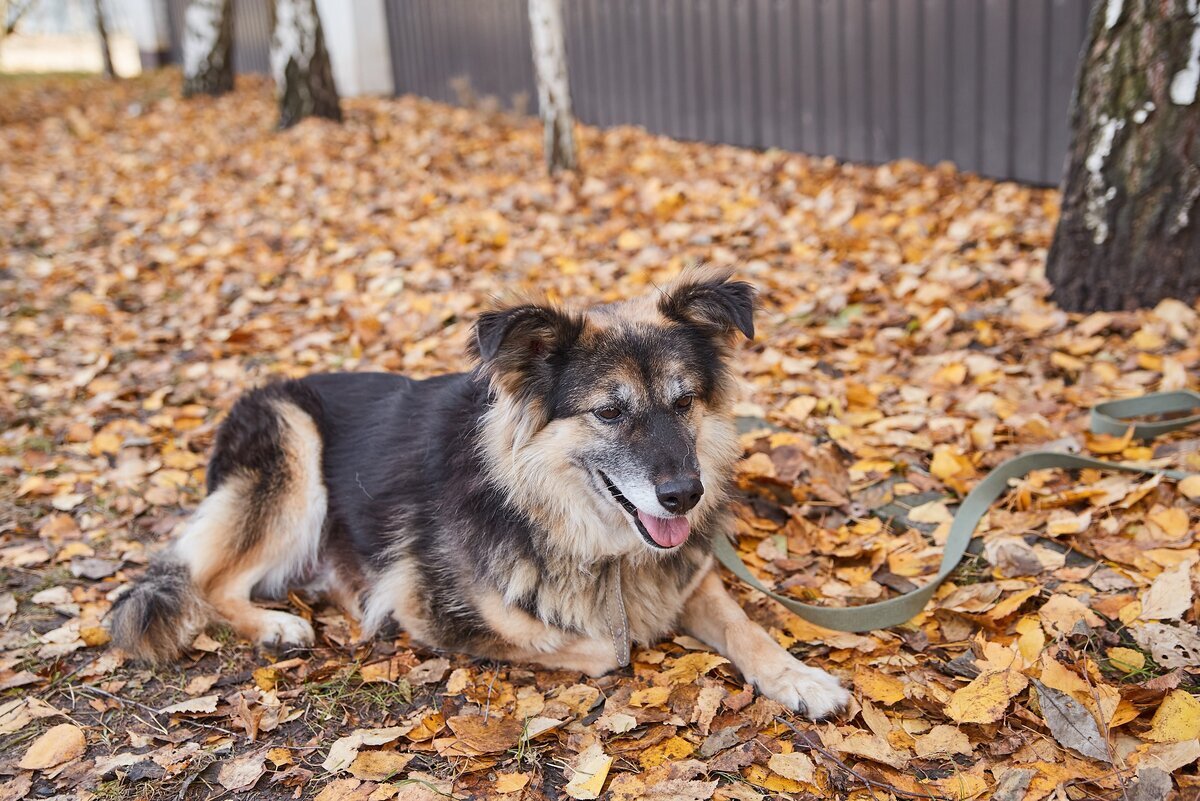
[608,413]
[684,403]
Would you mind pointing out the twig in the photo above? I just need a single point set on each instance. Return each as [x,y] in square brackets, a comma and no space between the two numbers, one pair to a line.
[488,706]
[870,784]
[94,689]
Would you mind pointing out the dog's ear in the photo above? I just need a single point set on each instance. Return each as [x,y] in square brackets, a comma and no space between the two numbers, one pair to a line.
[522,345]
[712,302]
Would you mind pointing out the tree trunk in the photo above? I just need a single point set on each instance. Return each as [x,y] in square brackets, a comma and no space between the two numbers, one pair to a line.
[1129,233]
[554,88]
[300,64]
[208,48]
[105,53]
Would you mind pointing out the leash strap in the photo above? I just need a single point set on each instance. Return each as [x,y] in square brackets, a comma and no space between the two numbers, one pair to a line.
[1113,417]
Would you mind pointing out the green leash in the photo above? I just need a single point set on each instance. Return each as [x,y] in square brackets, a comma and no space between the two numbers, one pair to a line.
[1114,418]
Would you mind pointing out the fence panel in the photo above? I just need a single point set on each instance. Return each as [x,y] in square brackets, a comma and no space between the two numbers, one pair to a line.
[983,83]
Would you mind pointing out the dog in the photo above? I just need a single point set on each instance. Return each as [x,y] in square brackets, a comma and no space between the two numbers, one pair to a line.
[551,506]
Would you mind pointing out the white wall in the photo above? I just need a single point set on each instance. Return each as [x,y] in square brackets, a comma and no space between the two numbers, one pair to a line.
[356,35]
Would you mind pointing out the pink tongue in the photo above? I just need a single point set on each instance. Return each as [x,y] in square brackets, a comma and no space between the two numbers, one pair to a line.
[667,532]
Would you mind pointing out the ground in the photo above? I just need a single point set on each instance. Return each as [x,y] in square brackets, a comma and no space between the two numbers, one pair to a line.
[158,257]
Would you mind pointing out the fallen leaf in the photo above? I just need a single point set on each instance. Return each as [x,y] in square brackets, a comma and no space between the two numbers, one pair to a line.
[1172,647]
[242,773]
[795,766]
[986,698]
[1071,723]
[193,706]
[489,736]
[57,745]
[1170,595]
[878,686]
[510,782]
[344,750]
[588,772]
[1177,719]
[943,739]
[378,766]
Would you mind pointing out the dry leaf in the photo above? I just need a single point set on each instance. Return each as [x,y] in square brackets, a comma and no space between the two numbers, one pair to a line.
[344,750]
[1176,720]
[1170,595]
[986,698]
[1071,723]
[57,745]
[588,772]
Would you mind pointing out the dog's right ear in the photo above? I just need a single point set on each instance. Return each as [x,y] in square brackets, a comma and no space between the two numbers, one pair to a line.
[520,347]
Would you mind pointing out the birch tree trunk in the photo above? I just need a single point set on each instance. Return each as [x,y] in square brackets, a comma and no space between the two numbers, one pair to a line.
[208,48]
[554,88]
[1129,232]
[105,52]
[300,64]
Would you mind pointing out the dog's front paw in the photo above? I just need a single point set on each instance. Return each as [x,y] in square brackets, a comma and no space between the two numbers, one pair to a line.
[280,629]
[806,690]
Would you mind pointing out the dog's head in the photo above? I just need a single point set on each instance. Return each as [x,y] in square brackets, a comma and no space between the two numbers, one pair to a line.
[619,415]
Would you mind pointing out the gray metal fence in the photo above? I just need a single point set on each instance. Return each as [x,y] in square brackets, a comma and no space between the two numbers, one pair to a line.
[251,33]
[983,83]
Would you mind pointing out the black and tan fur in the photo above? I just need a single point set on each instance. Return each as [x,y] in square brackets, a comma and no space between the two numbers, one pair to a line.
[485,511]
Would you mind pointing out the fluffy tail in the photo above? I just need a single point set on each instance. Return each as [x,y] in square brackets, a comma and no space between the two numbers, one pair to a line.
[160,615]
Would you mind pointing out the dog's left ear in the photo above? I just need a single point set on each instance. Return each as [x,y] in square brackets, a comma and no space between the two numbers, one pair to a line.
[713,303]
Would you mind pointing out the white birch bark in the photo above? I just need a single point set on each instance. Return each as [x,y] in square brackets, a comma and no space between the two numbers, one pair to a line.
[554,88]
[300,64]
[207,46]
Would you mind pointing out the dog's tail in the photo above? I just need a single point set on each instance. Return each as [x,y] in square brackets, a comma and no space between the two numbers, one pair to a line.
[160,615]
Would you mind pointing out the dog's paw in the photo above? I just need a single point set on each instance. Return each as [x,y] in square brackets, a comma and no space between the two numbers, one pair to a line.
[281,628]
[806,690]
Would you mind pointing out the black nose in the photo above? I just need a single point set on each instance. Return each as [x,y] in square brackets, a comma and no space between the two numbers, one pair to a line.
[679,494]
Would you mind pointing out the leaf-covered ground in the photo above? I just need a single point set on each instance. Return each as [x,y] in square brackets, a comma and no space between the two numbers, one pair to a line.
[159,257]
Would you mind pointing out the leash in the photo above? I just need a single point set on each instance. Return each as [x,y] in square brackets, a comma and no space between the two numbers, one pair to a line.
[1112,417]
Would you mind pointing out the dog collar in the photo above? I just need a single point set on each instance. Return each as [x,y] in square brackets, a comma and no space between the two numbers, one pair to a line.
[618,619]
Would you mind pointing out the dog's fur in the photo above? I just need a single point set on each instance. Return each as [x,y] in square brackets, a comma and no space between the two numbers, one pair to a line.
[485,512]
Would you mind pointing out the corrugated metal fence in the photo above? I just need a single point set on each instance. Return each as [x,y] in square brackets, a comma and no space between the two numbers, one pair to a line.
[251,33]
[983,83]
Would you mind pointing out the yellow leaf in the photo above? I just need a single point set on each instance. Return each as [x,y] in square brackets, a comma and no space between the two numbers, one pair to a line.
[510,782]
[651,696]
[280,757]
[1032,639]
[1177,719]
[1190,487]
[947,462]
[1173,521]
[265,678]
[769,780]
[588,773]
[800,408]
[1011,604]
[94,636]
[378,766]
[671,750]
[1107,444]
[962,786]
[986,698]
[57,745]
[795,766]
[879,686]
[943,739]
[1062,613]
[952,374]
[689,667]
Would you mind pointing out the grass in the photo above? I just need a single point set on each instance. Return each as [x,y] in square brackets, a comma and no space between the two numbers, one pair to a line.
[345,692]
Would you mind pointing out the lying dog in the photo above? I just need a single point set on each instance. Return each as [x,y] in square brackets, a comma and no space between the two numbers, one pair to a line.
[548,507]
